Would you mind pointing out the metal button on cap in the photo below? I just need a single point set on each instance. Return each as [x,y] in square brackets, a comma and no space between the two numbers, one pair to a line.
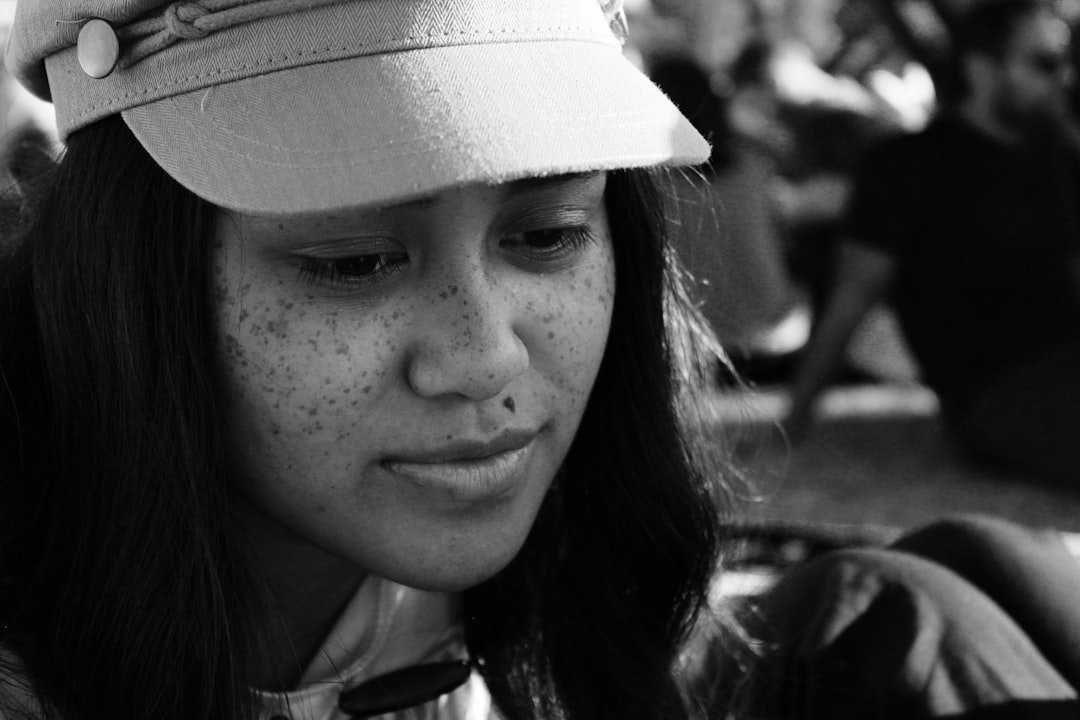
[98,48]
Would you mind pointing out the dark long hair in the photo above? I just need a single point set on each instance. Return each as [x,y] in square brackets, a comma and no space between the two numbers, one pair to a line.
[122,587]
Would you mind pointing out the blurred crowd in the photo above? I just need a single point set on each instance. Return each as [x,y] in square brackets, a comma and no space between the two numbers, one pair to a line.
[791,93]
[914,163]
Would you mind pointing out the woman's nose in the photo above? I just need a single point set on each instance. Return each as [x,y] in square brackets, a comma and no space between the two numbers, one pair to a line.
[467,344]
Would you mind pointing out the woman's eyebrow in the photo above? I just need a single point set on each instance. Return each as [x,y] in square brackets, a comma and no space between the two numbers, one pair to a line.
[540,183]
[513,187]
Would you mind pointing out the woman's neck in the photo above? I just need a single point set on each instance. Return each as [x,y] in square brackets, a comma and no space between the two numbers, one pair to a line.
[303,595]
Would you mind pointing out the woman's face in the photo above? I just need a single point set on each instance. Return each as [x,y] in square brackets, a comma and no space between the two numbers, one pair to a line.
[404,382]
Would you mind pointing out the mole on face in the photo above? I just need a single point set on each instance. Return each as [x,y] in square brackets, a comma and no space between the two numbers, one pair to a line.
[508,403]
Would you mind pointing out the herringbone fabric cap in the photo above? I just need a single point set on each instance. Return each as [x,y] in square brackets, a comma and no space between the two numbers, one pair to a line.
[290,106]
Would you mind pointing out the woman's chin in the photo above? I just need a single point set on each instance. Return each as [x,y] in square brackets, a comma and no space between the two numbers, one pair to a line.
[454,573]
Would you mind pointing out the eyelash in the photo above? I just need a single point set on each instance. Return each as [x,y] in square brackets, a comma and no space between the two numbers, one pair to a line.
[334,272]
[569,241]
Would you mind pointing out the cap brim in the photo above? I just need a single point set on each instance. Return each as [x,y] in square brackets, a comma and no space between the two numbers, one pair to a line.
[389,127]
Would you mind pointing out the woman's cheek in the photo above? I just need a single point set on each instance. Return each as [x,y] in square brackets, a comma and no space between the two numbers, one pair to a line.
[298,383]
[575,328]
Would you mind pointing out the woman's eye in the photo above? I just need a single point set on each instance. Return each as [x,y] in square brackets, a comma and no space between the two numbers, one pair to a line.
[549,244]
[351,272]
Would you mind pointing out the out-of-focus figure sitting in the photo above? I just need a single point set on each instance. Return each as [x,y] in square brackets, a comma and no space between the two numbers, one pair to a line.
[730,237]
[786,135]
[972,228]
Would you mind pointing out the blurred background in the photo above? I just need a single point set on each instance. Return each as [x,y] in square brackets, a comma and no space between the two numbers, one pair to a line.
[27,132]
[792,94]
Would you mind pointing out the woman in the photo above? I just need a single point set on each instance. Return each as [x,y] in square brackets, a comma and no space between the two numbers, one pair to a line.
[345,375]
[316,369]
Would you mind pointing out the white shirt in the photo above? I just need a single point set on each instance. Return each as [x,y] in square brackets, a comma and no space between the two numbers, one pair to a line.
[385,627]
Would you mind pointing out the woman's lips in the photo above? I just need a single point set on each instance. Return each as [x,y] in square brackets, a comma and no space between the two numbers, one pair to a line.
[468,470]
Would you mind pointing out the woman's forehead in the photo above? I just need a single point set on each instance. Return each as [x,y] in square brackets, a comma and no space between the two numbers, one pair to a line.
[575,187]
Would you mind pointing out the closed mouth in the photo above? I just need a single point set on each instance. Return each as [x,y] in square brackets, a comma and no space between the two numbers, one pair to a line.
[468,471]
[465,451]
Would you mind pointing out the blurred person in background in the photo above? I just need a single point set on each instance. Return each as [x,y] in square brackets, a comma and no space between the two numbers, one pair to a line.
[728,232]
[843,82]
[971,227]
[28,141]
[788,122]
